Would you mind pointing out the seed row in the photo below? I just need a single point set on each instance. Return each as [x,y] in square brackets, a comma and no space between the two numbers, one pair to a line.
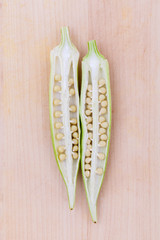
[59,125]
[75,137]
[103,124]
[89,122]
[58,114]
[73,122]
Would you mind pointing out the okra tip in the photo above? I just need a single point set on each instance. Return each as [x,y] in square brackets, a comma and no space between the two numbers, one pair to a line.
[71,196]
[93,211]
[65,35]
[92,46]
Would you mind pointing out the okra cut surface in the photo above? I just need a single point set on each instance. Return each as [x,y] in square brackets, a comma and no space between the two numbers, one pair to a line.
[95,111]
[64,111]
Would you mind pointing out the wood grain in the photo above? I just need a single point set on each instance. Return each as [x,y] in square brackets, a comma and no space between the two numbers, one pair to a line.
[33,199]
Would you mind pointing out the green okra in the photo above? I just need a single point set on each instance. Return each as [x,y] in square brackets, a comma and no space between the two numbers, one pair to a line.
[95,112]
[64,111]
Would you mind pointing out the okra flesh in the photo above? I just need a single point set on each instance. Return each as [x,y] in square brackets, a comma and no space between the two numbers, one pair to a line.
[95,111]
[64,111]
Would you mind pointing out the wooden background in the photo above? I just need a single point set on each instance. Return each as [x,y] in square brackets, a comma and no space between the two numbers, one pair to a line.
[33,198]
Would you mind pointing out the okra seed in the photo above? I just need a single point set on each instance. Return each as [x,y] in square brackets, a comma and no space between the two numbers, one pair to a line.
[75,155]
[102,90]
[89,119]
[61,149]
[87,174]
[73,108]
[89,106]
[88,153]
[88,141]
[58,125]
[59,136]
[56,102]
[87,160]
[104,124]
[101,82]
[102,143]
[57,77]
[57,88]
[101,97]
[99,171]
[89,88]
[89,94]
[104,103]
[88,112]
[75,134]
[90,135]
[101,119]
[71,91]
[102,131]
[71,81]
[62,157]
[75,141]
[87,166]
[103,111]
[75,148]
[74,128]
[88,100]
[89,146]
[89,126]
[101,156]
[103,137]
[57,114]
[73,120]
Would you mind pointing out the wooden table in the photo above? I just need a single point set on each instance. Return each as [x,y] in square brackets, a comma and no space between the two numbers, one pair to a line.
[33,199]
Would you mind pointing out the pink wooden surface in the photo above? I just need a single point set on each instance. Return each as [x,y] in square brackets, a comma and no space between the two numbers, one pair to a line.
[33,199]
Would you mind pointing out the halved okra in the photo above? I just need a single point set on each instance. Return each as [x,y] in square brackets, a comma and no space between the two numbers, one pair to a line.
[64,111]
[95,111]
